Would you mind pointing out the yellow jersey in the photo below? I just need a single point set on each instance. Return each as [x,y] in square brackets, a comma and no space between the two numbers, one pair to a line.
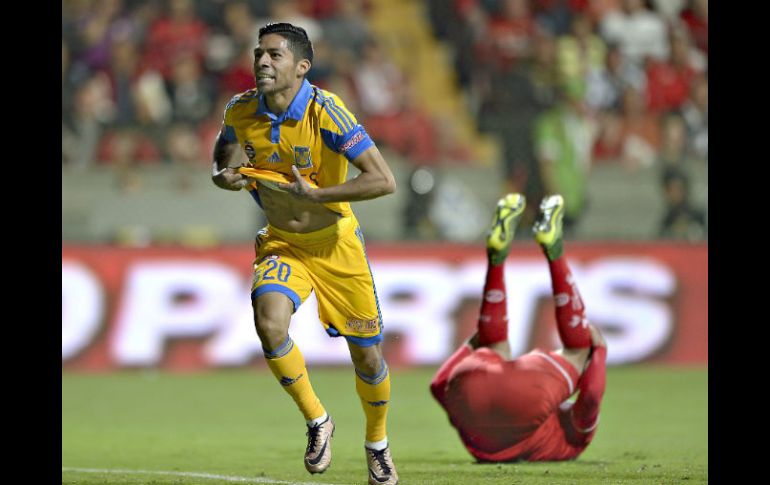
[316,133]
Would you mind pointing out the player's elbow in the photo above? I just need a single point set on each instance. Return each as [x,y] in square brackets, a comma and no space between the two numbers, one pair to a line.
[381,185]
[388,185]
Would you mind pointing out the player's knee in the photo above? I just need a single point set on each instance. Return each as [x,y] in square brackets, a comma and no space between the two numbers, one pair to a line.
[272,325]
[271,336]
[370,366]
[368,360]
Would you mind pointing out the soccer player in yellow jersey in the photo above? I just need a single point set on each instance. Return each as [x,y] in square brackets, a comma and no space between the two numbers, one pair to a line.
[299,140]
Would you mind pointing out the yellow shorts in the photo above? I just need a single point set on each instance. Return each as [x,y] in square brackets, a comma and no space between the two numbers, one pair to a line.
[333,263]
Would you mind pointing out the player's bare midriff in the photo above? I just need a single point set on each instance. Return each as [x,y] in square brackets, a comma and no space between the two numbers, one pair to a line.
[288,213]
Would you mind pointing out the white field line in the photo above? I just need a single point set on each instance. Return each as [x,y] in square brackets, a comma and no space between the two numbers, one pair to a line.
[212,476]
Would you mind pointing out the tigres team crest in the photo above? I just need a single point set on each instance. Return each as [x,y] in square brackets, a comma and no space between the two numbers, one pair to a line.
[302,157]
[249,149]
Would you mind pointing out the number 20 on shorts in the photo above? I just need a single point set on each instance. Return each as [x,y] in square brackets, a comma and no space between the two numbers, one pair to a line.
[276,271]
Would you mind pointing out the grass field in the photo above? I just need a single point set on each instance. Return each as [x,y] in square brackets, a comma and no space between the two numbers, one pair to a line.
[240,427]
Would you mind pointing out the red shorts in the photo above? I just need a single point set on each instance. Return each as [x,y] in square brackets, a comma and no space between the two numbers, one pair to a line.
[496,404]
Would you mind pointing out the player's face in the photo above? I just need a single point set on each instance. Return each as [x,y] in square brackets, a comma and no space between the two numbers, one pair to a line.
[274,67]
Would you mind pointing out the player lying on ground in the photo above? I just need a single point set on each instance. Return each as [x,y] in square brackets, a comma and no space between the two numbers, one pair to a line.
[518,409]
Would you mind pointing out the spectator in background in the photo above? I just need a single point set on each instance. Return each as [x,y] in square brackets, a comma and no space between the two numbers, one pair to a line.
[291,12]
[448,145]
[696,115]
[681,219]
[239,76]
[696,18]
[673,145]
[580,52]
[92,110]
[564,137]
[508,35]
[630,137]
[608,147]
[183,148]
[544,70]
[123,73]
[514,101]
[95,30]
[189,90]
[178,32]
[640,132]
[228,38]
[669,10]
[389,107]
[411,131]
[466,29]
[322,9]
[347,27]
[143,16]
[556,16]
[125,149]
[605,87]
[597,9]
[239,25]
[378,82]
[153,106]
[668,81]
[640,32]
[323,64]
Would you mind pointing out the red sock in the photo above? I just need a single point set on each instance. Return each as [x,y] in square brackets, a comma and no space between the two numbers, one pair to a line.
[585,412]
[493,318]
[570,311]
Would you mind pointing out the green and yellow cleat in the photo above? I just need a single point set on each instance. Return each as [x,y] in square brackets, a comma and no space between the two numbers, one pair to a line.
[500,236]
[548,227]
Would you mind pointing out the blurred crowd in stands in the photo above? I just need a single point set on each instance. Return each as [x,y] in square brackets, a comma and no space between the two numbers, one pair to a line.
[569,84]
[566,84]
[146,82]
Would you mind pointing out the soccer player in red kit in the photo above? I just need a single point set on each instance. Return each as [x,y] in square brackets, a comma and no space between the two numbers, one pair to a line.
[519,409]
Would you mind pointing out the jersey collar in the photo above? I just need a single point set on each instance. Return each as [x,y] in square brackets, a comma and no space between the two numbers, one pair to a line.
[296,108]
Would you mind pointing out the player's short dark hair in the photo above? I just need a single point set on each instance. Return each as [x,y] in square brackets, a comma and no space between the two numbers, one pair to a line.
[297,40]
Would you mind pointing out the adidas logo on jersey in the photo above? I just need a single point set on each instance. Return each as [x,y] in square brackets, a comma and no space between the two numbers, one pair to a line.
[274,158]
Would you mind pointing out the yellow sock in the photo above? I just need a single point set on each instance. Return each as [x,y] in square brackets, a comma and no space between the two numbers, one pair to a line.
[375,398]
[288,367]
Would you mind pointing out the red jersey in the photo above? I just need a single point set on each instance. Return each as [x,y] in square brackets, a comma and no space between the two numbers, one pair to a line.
[508,410]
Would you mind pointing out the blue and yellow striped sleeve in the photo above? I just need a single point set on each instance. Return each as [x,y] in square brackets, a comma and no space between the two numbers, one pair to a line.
[340,130]
[228,132]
